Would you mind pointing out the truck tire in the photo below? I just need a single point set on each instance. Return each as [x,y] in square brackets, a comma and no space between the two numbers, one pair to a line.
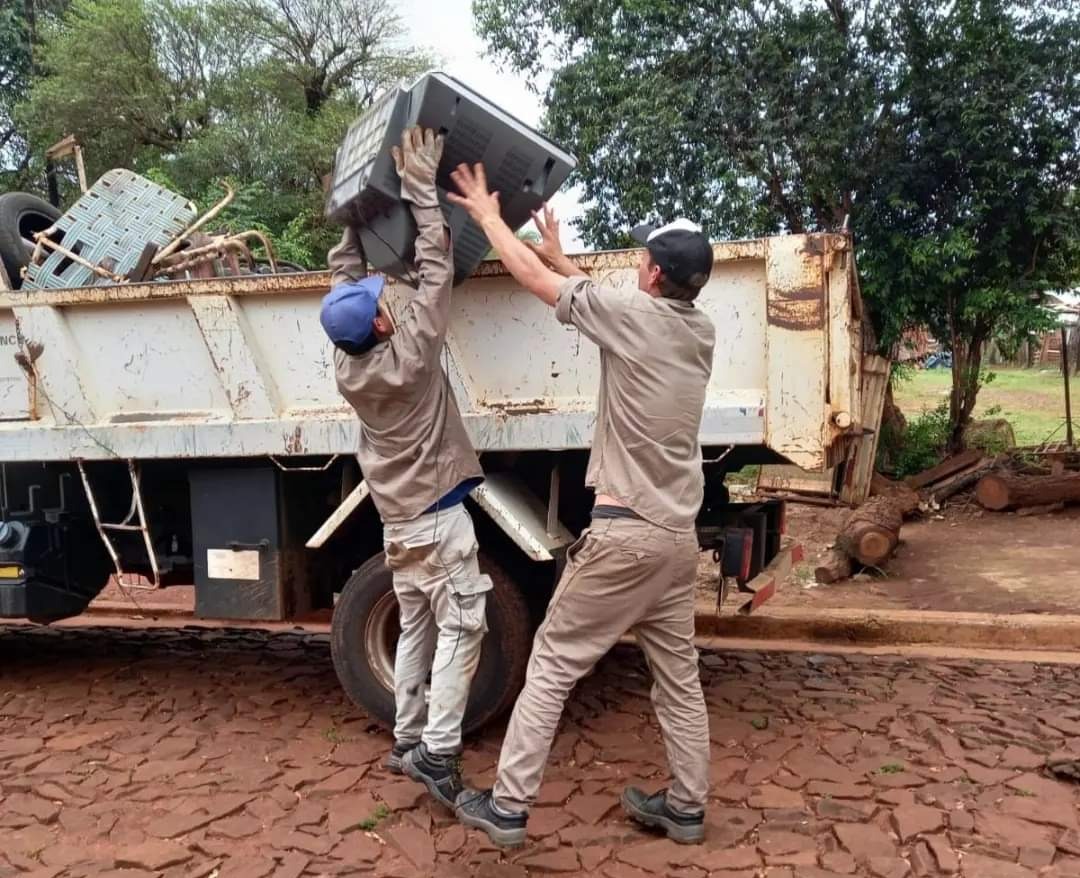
[21,215]
[364,632]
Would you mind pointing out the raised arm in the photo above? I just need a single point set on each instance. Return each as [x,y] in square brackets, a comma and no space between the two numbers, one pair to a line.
[526,267]
[425,320]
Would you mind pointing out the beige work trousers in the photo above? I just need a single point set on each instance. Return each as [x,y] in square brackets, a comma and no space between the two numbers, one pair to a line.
[442,596]
[624,574]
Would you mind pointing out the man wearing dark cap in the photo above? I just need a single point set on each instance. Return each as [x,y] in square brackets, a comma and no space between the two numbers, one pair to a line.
[634,567]
[419,465]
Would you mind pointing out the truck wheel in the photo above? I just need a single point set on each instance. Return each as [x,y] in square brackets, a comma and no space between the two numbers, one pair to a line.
[364,635]
[21,215]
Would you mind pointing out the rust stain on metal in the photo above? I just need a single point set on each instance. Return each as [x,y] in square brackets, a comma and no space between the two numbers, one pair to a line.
[521,407]
[802,309]
[294,442]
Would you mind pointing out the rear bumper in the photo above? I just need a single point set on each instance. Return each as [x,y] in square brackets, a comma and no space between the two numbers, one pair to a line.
[764,585]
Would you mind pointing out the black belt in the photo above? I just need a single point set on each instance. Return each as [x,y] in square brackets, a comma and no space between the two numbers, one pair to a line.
[604,511]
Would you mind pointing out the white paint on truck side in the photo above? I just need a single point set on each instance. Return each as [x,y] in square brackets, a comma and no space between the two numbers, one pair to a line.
[239,367]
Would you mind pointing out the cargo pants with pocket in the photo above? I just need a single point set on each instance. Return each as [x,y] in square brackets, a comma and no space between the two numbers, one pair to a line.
[624,574]
[442,597]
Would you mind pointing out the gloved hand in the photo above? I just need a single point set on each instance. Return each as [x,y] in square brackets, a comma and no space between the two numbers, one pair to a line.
[416,161]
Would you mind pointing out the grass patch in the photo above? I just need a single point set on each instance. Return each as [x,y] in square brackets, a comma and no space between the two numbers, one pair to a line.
[1031,400]
[891,768]
[381,813]
[760,723]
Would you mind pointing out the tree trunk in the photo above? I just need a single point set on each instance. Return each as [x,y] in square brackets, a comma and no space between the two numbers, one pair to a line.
[967,361]
[872,531]
[999,491]
[834,566]
[1074,350]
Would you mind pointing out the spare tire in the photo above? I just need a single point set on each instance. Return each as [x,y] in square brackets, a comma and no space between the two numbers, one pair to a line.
[21,216]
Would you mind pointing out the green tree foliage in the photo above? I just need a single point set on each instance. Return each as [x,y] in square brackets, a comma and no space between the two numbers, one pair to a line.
[947,135]
[20,23]
[259,92]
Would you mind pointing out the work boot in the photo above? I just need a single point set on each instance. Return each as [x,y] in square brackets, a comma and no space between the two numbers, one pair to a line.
[393,761]
[654,811]
[477,809]
[440,774]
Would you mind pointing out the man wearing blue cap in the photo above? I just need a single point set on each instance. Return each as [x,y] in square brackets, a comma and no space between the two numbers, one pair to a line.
[633,569]
[419,465]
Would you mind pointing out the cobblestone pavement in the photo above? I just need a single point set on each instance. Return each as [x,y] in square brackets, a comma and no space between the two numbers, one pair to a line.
[199,753]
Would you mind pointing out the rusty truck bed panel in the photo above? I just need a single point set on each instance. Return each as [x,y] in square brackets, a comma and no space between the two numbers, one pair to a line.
[235,367]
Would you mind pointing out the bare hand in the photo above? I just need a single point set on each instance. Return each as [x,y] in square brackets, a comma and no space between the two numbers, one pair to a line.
[417,162]
[549,249]
[475,198]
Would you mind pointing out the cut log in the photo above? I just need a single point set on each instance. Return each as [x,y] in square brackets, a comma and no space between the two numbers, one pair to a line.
[999,491]
[834,566]
[872,531]
[945,469]
[959,482]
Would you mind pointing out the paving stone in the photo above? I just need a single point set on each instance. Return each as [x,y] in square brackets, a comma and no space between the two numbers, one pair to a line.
[864,841]
[358,847]
[888,867]
[912,820]
[774,842]
[34,807]
[349,812]
[980,866]
[153,856]
[592,856]
[727,859]
[415,844]
[561,859]
[555,793]
[591,809]
[402,795]
[772,796]
[840,790]
[839,862]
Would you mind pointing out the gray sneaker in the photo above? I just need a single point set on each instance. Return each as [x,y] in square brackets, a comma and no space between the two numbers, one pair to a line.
[653,811]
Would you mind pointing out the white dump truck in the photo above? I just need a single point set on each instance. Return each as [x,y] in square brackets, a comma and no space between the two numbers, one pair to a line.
[190,431]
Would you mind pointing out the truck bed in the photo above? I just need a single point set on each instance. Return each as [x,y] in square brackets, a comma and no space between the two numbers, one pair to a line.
[239,367]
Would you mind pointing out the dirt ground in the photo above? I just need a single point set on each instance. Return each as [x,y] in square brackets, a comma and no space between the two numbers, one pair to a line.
[188,754]
[962,559]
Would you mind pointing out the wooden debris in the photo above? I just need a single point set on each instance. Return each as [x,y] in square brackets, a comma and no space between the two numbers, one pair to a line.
[997,491]
[946,468]
[963,480]
[835,565]
[906,498]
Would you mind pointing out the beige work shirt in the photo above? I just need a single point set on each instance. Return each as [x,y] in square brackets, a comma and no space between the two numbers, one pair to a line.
[656,357]
[413,444]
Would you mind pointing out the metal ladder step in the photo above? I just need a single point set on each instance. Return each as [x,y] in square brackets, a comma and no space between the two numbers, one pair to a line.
[136,510]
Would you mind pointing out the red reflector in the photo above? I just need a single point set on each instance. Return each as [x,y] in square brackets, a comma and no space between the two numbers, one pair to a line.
[747,555]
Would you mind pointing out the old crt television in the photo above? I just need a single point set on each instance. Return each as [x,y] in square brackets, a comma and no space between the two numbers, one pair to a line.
[522,165]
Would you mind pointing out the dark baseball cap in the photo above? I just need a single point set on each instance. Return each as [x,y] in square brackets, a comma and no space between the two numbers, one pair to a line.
[348,311]
[683,253]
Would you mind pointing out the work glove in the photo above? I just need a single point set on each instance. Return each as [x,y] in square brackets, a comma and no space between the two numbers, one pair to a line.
[417,161]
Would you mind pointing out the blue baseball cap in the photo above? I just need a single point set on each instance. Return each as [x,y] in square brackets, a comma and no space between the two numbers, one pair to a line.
[348,311]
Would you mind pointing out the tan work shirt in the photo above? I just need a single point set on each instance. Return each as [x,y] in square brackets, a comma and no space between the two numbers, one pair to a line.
[413,444]
[656,357]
